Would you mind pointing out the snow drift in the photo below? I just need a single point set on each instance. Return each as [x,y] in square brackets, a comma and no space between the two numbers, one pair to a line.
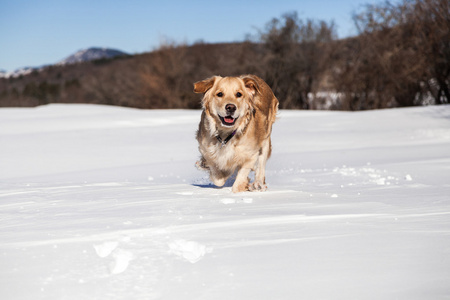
[101,202]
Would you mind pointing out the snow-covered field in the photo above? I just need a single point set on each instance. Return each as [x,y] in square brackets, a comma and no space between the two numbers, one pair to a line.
[101,202]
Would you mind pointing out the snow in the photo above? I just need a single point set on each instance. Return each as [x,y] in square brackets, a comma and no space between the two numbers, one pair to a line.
[83,55]
[19,72]
[100,202]
[89,54]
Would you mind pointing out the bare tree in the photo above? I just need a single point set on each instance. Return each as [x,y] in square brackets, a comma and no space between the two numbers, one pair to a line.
[432,24]
[296,51]
[400,58]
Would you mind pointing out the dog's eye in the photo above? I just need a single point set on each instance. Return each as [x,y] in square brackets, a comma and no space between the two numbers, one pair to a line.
[238,95]
[220,94]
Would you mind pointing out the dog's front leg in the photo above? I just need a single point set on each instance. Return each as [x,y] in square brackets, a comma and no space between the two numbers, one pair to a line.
[260,169]
[241,183]
[218,177]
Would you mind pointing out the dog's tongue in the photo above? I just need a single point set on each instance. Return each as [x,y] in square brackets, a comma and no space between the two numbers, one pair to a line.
[229,120]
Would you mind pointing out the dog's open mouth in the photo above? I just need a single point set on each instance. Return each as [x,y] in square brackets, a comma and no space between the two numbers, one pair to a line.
[228,120]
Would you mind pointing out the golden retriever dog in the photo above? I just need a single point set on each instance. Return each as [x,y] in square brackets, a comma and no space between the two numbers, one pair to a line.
[234,130]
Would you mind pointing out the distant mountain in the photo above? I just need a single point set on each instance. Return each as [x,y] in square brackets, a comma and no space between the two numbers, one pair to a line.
[80,56]
[18,72]
[91,54]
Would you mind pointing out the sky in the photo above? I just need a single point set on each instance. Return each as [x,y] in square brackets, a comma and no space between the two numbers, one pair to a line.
[40,32]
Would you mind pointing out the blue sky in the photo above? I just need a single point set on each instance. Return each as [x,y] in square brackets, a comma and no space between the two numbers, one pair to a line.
[38,32]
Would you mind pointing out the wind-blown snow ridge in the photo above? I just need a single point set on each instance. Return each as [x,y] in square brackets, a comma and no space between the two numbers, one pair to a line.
[101,202]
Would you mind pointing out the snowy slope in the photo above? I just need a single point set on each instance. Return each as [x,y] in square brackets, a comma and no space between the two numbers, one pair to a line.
[83,55]
[101,202]
[19,72]
[91,54]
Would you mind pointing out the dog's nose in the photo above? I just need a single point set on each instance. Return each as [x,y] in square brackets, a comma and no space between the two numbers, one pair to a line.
[230,108]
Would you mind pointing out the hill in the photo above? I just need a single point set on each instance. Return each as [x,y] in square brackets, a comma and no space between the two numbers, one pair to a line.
[90,54]
[159,79]
[84,55]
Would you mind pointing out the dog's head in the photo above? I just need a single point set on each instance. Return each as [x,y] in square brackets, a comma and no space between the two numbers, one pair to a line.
[227,99]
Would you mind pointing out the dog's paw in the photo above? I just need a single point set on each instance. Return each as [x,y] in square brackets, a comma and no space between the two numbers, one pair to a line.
[200,164]
[239,189]
[257,186]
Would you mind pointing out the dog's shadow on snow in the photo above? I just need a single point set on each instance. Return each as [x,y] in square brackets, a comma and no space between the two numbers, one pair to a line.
[210,185]
[205,183]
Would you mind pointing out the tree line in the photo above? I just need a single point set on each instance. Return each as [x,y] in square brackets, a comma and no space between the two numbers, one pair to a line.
[400,57]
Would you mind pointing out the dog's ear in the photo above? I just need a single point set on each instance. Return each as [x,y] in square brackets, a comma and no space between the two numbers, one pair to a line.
[251,85]
[203,86]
